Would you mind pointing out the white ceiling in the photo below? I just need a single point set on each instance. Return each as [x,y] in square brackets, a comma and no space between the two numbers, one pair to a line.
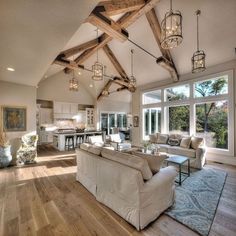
[217,39]
[33,32]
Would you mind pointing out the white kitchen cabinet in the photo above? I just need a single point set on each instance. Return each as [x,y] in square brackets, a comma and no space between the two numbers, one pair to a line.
[73,108]
[46,136]
[45,116]
[90,117]
[65,108]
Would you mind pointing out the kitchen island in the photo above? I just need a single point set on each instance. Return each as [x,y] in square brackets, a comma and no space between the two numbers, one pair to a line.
[60,137]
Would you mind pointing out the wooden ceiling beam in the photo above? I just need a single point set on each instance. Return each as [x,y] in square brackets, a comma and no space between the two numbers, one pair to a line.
[107,25]
[121,6]
[84,46]
[106,88]
[166,61]
[115,62]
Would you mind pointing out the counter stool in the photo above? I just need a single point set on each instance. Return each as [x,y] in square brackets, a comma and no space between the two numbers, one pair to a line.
[69,142]
[79,139]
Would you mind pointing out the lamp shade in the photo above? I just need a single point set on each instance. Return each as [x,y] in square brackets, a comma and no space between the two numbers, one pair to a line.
[97,69]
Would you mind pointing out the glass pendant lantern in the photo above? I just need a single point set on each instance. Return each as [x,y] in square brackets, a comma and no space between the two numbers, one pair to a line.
[132,79]
[74,83]
[171,29]
[97,68]
[198,58]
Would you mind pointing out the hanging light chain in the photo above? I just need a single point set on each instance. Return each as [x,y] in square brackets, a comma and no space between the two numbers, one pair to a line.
[198,12]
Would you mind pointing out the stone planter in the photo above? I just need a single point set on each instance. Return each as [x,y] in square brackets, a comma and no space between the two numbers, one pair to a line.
[5,156]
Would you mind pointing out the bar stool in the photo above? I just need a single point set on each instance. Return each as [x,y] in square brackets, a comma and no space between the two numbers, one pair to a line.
[79,139]
[69,142]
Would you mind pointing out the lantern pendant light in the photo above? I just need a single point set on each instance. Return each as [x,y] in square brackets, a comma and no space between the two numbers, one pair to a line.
[97,68]
[198,59]
[74,83]
[132,78]
[171,29]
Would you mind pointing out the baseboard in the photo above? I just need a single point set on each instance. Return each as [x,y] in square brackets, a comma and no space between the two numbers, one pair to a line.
[230,160]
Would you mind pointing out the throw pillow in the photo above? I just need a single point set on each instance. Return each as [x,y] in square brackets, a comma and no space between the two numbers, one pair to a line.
[154,162]
[173,142]
[153,138]
[196,142]
[185,142]
[162,138]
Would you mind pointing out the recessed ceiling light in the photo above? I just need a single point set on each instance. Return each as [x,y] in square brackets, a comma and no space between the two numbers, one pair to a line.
[10,69]
[90,85]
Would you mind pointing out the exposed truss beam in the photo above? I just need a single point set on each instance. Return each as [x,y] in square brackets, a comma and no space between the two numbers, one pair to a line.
[72,51]
[107,25]
[166,61]
[121,6]
[115,62]
[106,88]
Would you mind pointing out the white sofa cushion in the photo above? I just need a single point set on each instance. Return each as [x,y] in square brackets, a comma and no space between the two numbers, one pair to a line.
[95,150]
[154,162]
[164,147]
[115,138]
[196,142]
[129,160]
[85,146]
[185,142]
[97,139]
[162,138]
[182,151]
[153,138]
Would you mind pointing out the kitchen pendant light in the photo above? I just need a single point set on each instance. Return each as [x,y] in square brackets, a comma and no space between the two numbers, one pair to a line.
[132,79]
[97,68]
[171,29]
[198,58]
[74,83]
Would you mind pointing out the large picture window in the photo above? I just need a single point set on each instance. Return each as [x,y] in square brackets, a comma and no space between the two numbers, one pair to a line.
[179,119]
[203,107]
[212,123]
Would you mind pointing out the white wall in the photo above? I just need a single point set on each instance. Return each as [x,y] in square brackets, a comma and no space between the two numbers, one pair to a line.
[19,95]
[56,88]
[136,106]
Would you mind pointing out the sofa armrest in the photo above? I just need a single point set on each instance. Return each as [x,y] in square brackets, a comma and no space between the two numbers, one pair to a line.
[163,177]
[201,155]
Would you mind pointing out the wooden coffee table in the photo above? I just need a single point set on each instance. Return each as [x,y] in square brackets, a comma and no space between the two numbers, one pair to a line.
[179,160]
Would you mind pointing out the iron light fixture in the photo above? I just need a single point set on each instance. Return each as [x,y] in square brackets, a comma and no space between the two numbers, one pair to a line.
[171,29]
[198,58]
[132,79]
[97,68]
[74,83]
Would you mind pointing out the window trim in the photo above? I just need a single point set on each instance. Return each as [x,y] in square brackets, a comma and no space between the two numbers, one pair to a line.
[192,100]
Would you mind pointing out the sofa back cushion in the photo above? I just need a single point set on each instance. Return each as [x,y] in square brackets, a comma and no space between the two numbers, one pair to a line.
[95,150]
[85,146]
[154,162]
[196,142]
[115,138]
[97,139]
[162,138]
[129,160]
[153,138]
[185,142]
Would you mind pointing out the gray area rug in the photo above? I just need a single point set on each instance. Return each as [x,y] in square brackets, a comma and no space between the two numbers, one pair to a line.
[197,200]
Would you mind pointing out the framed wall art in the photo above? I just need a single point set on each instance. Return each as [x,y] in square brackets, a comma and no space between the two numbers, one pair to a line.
[14,118]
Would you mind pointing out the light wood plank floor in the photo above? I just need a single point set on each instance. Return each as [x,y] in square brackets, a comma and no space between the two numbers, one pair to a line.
[44,199]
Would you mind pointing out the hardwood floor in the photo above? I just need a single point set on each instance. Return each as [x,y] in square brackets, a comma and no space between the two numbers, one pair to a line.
[44,199]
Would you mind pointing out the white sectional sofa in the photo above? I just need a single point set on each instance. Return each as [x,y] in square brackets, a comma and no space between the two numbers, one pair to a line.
[125,183]
[191,147]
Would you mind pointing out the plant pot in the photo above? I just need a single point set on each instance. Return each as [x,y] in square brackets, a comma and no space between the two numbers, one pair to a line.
[5,156]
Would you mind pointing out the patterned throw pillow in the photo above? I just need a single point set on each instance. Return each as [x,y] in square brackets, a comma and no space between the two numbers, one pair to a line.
[174,142]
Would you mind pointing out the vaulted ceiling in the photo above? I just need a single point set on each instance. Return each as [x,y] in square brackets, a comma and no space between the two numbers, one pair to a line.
[217,39]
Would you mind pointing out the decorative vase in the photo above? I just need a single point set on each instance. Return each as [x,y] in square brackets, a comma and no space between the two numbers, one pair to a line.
[5,156]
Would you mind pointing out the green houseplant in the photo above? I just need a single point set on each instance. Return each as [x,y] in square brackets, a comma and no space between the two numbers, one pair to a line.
[5,150]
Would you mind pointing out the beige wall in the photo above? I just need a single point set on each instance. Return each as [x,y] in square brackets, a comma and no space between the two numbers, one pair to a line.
[56,88]
[19,95]
[136,105]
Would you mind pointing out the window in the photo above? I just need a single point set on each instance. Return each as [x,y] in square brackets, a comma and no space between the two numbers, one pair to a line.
[152,97]
[121,121]
[179,119]
[177,93]
[212,123]
[152,121]
[211,87]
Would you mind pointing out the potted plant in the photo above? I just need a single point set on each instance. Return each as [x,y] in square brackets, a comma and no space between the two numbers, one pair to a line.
[5,150]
